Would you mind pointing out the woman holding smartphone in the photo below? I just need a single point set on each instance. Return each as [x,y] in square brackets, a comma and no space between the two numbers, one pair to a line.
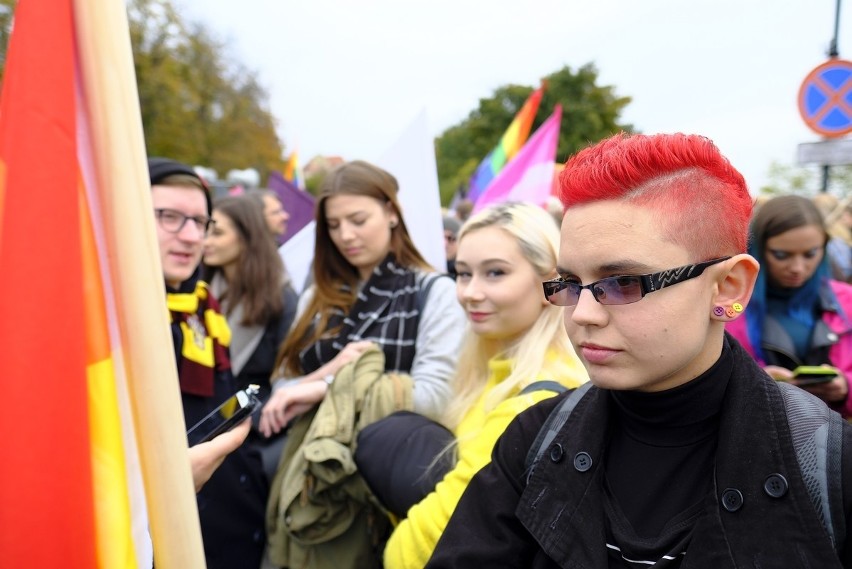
[798,315]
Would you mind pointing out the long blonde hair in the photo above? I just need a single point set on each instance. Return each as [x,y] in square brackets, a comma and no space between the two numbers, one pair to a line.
[537,235]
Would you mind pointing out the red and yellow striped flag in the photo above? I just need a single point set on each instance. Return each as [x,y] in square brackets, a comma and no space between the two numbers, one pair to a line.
[70,477]
[64,484]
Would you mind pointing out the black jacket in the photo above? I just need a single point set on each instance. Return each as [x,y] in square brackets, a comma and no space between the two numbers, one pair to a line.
[232,504]
[558,520]
[260,366]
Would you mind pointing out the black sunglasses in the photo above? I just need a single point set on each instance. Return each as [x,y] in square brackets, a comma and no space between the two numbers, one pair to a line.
[624,289]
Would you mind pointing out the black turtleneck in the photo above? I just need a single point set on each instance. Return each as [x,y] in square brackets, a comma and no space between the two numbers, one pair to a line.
[659,461]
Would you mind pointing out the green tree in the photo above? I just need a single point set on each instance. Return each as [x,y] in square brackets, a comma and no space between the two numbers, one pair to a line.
[590,112]
[197,106]
[312,183]
[7,9]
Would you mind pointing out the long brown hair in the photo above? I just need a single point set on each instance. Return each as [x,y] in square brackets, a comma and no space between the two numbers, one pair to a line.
[335,279]
[260,273]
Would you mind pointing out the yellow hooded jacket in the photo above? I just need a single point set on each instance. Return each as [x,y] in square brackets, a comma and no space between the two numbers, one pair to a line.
[414,539]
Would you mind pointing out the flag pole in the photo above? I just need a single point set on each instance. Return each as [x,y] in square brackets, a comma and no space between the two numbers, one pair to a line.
[112,104]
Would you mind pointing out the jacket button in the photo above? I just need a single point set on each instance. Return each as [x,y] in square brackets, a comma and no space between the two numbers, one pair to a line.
[732,499]
[556,453]
[775,485]
[582,461]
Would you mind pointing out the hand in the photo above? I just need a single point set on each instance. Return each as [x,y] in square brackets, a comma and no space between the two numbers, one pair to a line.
[205,458]
[779,373]
[832,391]
[351,352]
[287,403]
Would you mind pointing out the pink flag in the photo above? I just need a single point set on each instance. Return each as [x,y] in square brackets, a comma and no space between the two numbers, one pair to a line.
[529,176]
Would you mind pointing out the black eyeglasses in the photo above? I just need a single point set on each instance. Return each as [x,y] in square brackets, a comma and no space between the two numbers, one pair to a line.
[622,289]
[173,221]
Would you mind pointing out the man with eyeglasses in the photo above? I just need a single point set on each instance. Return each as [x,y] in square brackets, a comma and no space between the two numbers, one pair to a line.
[680,452]
[231,504]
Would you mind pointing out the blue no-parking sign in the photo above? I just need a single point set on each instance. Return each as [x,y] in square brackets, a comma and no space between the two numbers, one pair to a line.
[825,98]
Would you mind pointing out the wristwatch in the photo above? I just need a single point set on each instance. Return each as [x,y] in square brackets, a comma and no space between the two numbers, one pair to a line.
[329,379]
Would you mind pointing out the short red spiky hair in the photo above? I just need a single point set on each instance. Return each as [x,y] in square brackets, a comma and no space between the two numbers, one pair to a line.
[702,200]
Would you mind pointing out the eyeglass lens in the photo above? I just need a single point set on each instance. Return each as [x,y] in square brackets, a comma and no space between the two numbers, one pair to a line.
[613,290]
[173,221]
[624,289]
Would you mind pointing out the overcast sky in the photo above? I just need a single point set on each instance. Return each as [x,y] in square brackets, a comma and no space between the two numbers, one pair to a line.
[346,76]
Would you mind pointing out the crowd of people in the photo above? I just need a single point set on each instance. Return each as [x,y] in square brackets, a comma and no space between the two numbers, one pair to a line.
[544,399]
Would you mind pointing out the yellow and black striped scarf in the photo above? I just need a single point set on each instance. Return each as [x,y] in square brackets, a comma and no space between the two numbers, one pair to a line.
[201,337]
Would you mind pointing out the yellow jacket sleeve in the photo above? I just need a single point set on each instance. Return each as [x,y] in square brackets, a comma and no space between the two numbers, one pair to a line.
[414,539]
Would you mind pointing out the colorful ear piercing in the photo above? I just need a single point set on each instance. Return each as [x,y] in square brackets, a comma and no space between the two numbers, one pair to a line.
[732,312]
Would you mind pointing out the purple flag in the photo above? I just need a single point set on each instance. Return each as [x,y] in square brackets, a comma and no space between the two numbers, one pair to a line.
[298,203]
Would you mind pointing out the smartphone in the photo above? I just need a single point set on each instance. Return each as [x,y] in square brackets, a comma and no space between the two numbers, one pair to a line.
[225,417]
[810,375]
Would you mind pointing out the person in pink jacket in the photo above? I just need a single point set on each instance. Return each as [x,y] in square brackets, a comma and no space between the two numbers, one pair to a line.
[797,314]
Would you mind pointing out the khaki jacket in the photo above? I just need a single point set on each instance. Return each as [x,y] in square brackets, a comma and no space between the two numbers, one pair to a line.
[321,513]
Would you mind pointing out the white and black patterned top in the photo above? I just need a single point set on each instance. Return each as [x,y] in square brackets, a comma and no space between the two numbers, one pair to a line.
[419,333]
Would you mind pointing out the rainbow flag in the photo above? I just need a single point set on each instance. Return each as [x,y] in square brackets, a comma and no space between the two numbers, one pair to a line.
[529,176]
[293,171]
[71,481]
[510,144]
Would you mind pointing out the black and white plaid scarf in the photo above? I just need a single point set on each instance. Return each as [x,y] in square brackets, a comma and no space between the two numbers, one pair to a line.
[386,312]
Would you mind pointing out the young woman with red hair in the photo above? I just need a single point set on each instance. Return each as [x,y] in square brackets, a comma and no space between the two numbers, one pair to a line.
[681,449]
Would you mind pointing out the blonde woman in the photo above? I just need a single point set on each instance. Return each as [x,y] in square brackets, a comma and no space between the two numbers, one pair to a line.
[514,354]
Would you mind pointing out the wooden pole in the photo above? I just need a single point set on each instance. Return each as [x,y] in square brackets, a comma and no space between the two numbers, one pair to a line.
[112,104]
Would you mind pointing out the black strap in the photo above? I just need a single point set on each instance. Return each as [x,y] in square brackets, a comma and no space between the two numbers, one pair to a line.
[817,434]
[544,385]
[834,452]
[425,287]
[552,426]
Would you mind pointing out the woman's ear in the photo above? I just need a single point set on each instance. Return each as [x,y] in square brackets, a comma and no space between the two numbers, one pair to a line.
[735,286]
[393,216]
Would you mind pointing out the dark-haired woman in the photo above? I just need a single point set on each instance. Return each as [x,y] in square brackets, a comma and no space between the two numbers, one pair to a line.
[248,277]
[797,315]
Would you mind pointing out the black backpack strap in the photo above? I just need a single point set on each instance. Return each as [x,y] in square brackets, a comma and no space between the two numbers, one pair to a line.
[544,385]
[834,453]
[817,434]
[551,427]
[425,286]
